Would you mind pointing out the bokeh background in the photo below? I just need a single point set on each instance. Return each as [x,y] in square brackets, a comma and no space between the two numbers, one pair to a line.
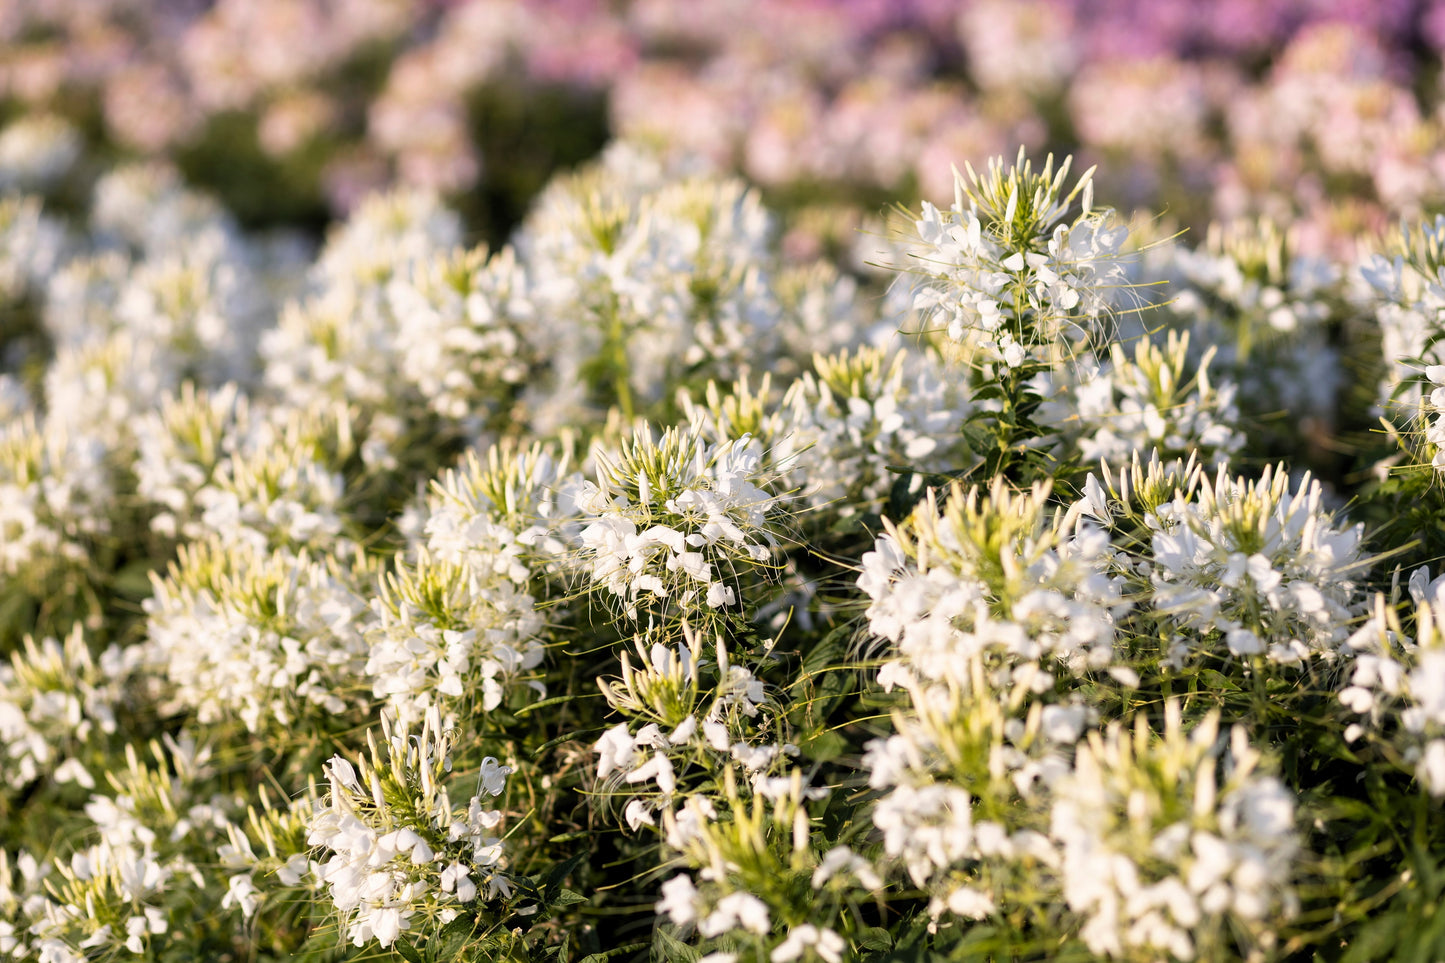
[1321,113]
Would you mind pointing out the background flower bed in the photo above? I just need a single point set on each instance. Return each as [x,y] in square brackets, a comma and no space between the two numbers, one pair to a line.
[709,566]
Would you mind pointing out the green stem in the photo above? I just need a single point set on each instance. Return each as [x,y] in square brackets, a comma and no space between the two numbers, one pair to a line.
[617,360]
[1007,422]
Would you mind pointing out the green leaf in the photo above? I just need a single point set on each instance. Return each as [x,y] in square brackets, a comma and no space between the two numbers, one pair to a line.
[1214,679]
[407,952]
[667,948]
[833,688]
[554,743]
[606,955]
[875,938]
[978,438]
[1374,940]
[824,747]
[828,650]
[568,897]
[821,668]
[554,701]
[551,884]
[454,937]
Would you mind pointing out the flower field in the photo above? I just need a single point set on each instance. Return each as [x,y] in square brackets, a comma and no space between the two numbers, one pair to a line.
[744,481]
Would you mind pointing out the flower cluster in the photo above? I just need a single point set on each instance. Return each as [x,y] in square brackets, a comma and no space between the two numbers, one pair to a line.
[55,699]
[1256,566]
[330,345]
[1156,400]
[266,637]
[1407,297]
[446,634]
[676,524]
[639,282]
[1395,683]
[986,574]
[665,690]
[401,856]
[119,891]
[55,485]
[1011,270]
[1271,314]
[30,245]
[848,426]
[1164,840]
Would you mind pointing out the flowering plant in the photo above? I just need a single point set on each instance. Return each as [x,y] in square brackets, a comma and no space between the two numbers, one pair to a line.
[635,590]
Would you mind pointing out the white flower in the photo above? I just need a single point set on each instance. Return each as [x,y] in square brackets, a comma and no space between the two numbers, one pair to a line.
[1064,724]
[638,814]
[827,944]
[678,277]
[614,750]
[1158,398]
[241,892]
[857,414]
[658,768]
[841,859]
[456,879]
[736,910]
[970,903]
[137,928]
[493,776]
[1432,767]
[341,772]
[1148,883]
[679,901]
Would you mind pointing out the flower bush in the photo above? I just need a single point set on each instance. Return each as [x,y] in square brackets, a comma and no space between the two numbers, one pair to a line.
[685,575]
